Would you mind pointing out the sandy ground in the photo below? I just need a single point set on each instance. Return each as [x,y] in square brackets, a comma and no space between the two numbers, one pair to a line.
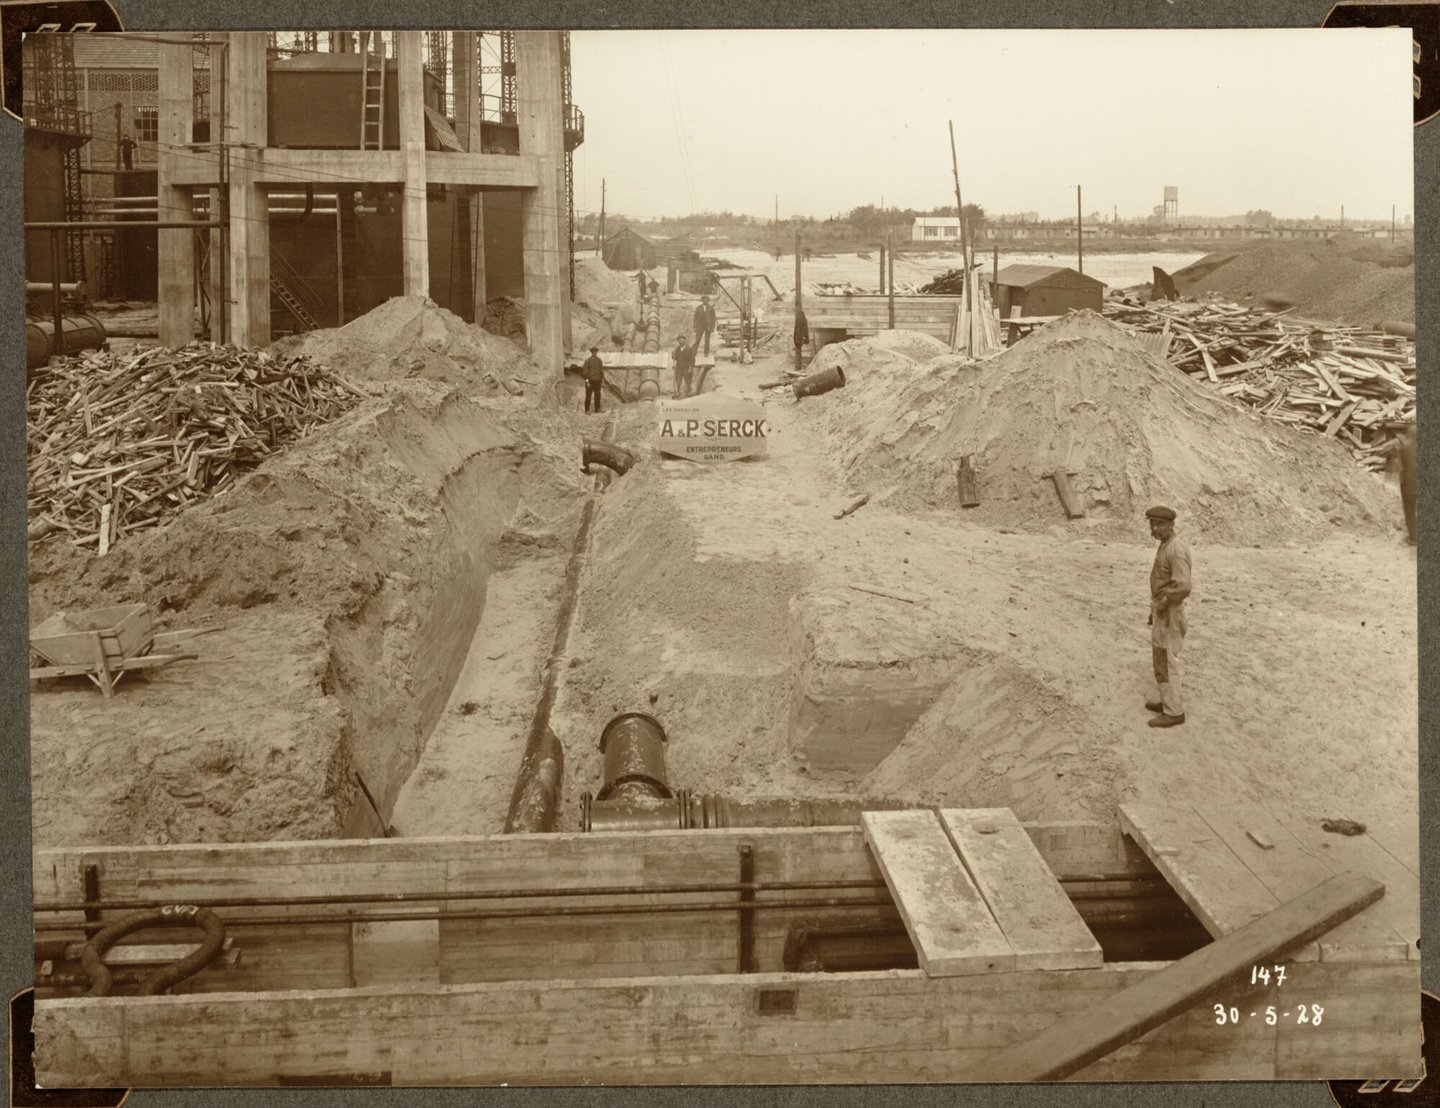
[1300,667]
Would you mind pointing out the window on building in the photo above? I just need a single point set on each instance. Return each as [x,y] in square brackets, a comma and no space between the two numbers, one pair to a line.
[950,232]
[931,232]
[147,125]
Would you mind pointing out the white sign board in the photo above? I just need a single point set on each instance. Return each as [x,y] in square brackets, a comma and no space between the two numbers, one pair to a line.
[712,428]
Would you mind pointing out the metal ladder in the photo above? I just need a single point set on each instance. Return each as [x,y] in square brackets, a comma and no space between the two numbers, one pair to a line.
[372,109]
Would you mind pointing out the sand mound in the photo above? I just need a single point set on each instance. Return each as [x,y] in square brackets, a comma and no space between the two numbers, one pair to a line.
[1081,394]
[1349,279]
[597,285]
[412,336]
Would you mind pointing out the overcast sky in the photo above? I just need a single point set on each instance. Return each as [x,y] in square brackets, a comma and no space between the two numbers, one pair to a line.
[1295,121]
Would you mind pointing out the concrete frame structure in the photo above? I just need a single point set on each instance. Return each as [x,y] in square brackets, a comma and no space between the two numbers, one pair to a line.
[252,168]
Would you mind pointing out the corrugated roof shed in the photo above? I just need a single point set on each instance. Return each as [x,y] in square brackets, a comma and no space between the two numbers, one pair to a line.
[1023,276]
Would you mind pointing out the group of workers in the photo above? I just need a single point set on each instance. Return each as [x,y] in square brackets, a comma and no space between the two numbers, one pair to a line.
[682,356]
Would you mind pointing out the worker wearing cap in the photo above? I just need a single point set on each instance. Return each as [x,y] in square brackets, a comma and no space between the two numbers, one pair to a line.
[704,322]
[1169,586]
[594,373]
[684,367]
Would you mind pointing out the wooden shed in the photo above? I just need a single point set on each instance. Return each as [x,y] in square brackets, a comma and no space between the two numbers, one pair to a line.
[629,249]
[1042,290]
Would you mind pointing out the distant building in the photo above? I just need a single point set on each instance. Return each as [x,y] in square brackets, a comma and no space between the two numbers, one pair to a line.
[935,228]
[627,248]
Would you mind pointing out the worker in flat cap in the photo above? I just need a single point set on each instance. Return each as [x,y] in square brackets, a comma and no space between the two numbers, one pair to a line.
[594,374]
[1169,586]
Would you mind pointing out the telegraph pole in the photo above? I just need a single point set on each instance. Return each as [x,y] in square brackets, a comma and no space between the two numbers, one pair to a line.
[600,237]
[1079,230]
[799,295]
[776,225]
[960,215]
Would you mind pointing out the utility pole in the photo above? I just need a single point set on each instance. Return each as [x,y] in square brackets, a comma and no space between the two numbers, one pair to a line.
[799,293]
[959,215]
[1079,231]
[600,236]
[890,282]
[776,226]
[1392,222]
[1342,217]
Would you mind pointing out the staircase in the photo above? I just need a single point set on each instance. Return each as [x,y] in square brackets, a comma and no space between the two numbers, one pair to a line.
[293,291]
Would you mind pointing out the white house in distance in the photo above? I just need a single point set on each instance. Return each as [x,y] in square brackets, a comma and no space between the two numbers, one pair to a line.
[935,228]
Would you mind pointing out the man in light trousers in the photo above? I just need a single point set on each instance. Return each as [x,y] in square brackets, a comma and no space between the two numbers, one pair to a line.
[1169,586]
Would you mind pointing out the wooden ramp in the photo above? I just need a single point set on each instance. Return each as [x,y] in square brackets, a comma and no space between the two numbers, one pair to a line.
[975,894]
[1232,866]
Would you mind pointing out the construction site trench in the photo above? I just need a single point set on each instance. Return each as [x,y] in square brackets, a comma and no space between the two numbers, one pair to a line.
[383,599]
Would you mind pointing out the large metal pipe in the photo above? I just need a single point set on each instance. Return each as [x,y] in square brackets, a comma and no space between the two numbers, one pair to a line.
[607,454]
[687,811]
[77,332]
[633,746]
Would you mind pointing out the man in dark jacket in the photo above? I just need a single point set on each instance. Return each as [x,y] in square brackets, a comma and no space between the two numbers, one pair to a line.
[704,323]
[1401,453]
[802,333]
[684,367]
[594,373]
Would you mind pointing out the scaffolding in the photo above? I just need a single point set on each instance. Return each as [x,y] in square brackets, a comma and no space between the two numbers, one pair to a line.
[57,108]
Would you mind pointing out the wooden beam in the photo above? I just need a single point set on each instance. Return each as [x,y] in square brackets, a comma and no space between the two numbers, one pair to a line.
[1074,1043]
[1072,507]
[1038,920]
[893,1026]
[947,918]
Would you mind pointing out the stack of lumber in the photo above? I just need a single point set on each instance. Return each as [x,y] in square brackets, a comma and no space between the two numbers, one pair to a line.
[1350,383]
[120,443]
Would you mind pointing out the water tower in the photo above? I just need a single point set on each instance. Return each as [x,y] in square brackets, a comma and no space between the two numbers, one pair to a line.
[1172,204]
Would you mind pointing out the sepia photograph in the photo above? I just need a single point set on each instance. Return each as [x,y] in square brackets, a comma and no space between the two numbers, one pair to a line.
[721,558]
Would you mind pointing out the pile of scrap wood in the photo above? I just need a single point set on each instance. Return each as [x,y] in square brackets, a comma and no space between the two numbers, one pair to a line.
[119,443]
[1351,383]
[949,283]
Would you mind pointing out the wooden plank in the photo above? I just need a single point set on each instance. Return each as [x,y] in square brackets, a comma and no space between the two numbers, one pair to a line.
[1073,1044]
[1035,916]
[1067,497]
[1288,868]
[1212,881]
[1363,854]
[895,1026]
[948,921]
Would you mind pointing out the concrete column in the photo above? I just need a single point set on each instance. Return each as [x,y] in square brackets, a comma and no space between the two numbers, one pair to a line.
[176,249]
[414,226]
[215,275]
[246,131]
[468,116]
[537,81]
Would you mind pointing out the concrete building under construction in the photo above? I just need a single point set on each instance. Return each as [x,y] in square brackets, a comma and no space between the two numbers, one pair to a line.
[325,173]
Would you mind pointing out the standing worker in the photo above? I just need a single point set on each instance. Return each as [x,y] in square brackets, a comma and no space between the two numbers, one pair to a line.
[684,366]
[1401,453]
[640,280]
[704,322]
[594,372]
[802,333]
[127,151]
[1169,586]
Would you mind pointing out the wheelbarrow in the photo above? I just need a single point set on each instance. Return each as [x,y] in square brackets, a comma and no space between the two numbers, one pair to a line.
[102,644]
